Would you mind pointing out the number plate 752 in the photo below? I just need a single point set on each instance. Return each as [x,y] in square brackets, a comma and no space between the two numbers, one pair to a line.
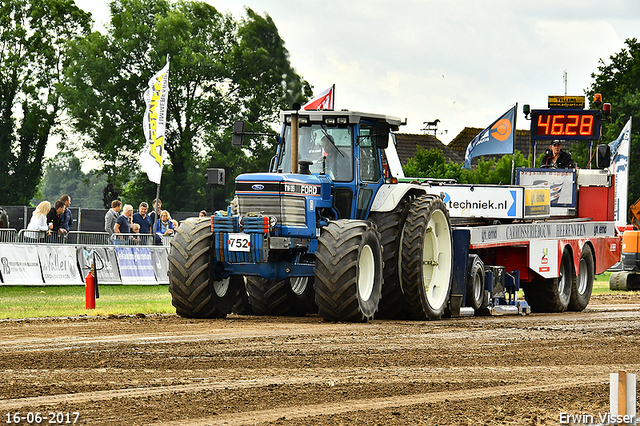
[239,242]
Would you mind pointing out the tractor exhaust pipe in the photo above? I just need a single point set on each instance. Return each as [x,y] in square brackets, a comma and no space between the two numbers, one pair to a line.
[294,139]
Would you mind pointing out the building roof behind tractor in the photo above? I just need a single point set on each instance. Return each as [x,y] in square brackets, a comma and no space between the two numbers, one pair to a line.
[406,144]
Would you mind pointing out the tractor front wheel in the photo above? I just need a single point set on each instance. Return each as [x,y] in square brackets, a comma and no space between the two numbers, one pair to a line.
[348,271]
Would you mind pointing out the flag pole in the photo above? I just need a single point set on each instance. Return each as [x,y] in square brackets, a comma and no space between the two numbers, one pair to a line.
[515,137]
[333,97]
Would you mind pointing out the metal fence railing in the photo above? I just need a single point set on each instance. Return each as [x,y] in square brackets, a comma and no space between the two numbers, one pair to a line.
[166,240]
[88,238]
[27,236]
[8,235]
[132,239]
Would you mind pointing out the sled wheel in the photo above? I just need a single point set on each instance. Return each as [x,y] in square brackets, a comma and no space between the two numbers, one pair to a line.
[581,290]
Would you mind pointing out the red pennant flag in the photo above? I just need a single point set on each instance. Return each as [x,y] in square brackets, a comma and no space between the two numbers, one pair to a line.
[324,101]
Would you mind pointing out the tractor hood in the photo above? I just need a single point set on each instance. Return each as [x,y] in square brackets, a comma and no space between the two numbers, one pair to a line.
[316,187]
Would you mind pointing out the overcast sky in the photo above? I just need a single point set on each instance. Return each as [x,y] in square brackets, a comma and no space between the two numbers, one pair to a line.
[463,62]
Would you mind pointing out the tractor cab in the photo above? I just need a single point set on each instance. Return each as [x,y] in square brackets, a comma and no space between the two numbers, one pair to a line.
[341,145]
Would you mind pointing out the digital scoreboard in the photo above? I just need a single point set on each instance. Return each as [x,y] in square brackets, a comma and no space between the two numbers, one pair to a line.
[566,124]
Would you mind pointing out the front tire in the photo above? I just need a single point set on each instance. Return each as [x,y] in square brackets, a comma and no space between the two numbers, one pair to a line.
[194,293]
[348,271]
[583,284]
[427,258]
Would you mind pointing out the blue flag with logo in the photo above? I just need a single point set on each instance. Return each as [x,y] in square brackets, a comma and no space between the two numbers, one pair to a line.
[495,139]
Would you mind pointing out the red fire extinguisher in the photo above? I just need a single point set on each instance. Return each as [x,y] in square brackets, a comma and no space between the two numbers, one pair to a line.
[90,288]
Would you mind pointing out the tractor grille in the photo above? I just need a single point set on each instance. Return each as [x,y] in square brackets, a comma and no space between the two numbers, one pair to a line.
[290,211]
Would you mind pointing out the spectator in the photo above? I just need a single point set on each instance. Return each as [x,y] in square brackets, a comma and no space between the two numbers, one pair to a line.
[143,219]
[112,216]
[67,217]
[164,225]
[203,213]
[135,229]
[54,217]
[123,224]
[155,214]
[4,218]
[38,221]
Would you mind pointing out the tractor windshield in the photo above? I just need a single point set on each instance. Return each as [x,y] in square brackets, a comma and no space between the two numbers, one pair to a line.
[329,148]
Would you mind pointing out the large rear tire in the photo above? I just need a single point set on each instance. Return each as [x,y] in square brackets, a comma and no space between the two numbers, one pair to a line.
[194,293]
[427,258]
[348,271]
[390,226]
[583,284]
[553,294]
[288,297]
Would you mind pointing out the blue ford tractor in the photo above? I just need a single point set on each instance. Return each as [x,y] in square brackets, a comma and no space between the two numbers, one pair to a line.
[327,229]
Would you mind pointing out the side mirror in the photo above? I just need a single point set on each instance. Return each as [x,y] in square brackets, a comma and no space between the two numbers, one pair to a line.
[382,134]
[603,156]
[238,133]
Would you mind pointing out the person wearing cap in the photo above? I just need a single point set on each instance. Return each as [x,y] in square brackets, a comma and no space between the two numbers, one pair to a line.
[556,158]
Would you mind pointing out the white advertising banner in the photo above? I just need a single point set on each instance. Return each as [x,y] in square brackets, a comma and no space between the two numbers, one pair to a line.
[160,264]
[19,265]
[59,265]
[136,265]
[562,184]
[620,166]
[525,232]
[154,123]
[105,262]
[543,257]
[482,201]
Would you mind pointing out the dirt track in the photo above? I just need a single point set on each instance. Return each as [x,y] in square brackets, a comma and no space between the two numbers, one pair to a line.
[165,370]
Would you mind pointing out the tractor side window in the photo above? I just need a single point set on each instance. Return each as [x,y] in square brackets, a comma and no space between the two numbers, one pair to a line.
[369,160]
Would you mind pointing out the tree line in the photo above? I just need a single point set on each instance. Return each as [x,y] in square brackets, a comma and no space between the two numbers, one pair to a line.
[58,79]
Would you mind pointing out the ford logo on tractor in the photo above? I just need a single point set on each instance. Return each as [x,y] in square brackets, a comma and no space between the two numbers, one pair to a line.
[257,187]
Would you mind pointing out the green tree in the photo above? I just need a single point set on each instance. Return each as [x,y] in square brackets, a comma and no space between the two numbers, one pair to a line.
[63,175]
[221,70]
[33,40]
[619,83]
[432,164]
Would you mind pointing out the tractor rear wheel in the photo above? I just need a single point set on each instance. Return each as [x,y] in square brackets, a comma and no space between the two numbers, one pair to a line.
[427,258]
[194,293]
[390,226]
[583,284]
[348,271]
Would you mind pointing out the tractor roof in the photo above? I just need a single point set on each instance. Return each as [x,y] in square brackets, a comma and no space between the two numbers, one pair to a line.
[353,117]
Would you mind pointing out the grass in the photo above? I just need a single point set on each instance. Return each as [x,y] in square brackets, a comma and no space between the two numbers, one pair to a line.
[62,301]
